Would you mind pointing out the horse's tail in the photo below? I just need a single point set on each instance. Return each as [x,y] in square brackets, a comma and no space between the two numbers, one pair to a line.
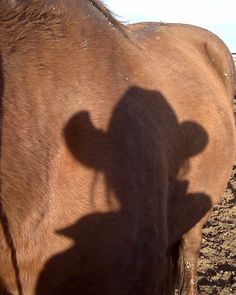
[176,269]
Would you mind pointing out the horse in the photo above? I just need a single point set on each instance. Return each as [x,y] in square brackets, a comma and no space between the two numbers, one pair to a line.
[116,142]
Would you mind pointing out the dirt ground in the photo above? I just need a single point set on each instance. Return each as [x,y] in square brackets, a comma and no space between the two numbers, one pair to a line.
[217,264]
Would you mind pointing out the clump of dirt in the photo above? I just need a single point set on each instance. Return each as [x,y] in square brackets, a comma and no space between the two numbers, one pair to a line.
[217,263]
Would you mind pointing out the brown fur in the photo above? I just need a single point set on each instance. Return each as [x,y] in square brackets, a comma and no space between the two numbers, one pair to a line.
[116,142]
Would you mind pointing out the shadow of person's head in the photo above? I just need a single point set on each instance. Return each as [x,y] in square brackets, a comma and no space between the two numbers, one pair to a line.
[143,135]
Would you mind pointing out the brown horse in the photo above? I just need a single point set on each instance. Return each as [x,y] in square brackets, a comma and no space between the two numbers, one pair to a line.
[116,142]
